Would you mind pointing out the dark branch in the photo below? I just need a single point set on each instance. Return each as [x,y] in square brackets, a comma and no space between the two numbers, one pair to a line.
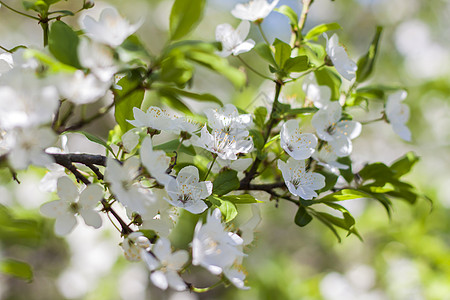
[85,159]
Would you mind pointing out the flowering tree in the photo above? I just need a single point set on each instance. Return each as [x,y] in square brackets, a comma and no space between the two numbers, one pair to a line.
[211,165]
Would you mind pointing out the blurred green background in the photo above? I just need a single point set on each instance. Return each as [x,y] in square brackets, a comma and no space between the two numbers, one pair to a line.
[405,257]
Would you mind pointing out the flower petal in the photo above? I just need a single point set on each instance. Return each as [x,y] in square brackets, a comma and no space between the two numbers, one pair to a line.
[67,190]
[91,217]
[65,224]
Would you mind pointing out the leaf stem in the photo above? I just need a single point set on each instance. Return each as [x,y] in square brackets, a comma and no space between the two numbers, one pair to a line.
[304,14]
[253,70]
[19,12]
[211,166]
[262,33]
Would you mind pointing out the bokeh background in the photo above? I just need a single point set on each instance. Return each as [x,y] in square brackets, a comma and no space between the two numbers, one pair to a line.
[405,257]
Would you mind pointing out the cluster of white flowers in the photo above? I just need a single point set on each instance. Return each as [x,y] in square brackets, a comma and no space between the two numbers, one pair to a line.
[146,182]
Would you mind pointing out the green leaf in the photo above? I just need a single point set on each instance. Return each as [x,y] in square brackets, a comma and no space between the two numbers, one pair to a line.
[16,268]
[241,199]
[260,114]
[174,145]
[325,76]
[258,139]
[291,14]
[170,98]
[346,173]
[404,165]
[345,194]
[227,208]
[346,223]
[184,17]
[63,44]
[97,140]
[131,95]
[226,182]
[176,69]
[377,171]
[366,63]
[302,218]
[282,52]
[296,64]
[266,53]
[220,65]
[199,97]
[319,29]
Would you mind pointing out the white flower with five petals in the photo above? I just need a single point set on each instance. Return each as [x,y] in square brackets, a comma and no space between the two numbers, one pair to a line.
[227,118]
[343,64]
[121,179]
[227,145]
[233,41]
[111,29]
[213,247]
[298,181]
[398,114]
[337,133]
[298,145]
[165,265]
[186,191]
[73,203]
[255,10]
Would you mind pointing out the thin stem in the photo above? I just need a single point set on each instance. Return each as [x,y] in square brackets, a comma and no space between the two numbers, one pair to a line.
[270,123]
[211,166]
[44,26]
[19,12]
[4,49]
[304,14]
[262,33]
[382,118]
[253,70]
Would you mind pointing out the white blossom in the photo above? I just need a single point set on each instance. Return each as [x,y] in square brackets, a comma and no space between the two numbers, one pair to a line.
[233,40]
[227,145]
[298,145]
[156,162]
[327,157]
[25,100]
[160,216]
[227,118]
[298,181]
[121,179]
[213,247]
[80,88]
[255,10]
[26,146]
[134,246]
[187,192]
[111,29]
[320,95]
[337,133]
[398,114]
[154,117]
[165,265]
[343,64]
[98,58]
[73,203]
